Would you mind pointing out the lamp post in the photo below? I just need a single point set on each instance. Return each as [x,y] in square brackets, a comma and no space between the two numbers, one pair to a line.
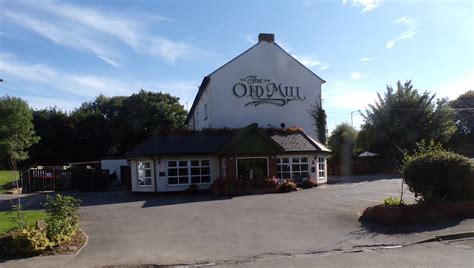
[352,121]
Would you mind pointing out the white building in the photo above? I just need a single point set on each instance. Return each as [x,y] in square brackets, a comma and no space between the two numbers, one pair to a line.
[263,85]
[249,119]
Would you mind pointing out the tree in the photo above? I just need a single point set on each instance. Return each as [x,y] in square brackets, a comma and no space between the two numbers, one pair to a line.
[463,140]
[342,142]
[16,130]
[56,130]
[402,117]
[318,114]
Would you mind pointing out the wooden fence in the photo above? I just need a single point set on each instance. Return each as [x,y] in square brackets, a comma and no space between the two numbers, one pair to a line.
[83,180]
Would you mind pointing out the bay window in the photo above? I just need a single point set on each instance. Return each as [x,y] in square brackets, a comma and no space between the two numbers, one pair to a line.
[296,168]
[185,172]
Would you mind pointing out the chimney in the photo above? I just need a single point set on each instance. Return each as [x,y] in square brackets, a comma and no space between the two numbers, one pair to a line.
[267,37]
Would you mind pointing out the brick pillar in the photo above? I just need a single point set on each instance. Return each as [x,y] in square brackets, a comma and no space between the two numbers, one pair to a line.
[230,167]
[272,166]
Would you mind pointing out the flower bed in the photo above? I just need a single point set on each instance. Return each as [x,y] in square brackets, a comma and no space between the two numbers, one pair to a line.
[417,213]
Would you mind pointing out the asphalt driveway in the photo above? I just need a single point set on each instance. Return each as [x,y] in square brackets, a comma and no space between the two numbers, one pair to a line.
[134,229]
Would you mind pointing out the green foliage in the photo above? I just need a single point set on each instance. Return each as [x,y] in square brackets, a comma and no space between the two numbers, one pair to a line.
[63,218]
[393,201]
[318,114]
[436,175]
[401,118]
[16,130]
[463,140]
[29,241]
[242,186]
[342,143]
[287,186]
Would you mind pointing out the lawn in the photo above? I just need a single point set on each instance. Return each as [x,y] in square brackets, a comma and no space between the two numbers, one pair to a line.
[7,176]
[30,216]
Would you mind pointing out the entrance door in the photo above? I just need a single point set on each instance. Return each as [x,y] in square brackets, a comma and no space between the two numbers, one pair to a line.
[253,168]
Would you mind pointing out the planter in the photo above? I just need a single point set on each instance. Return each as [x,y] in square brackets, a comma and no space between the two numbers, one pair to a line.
[419,213]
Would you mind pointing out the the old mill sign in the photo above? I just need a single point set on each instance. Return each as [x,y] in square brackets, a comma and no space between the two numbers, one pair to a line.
[264,91]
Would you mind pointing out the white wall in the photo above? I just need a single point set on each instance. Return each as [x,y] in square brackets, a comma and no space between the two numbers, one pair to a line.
[113,165]
[266,61]
[159,164]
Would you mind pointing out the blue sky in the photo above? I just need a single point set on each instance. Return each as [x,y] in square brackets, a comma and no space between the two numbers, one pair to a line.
[55,53]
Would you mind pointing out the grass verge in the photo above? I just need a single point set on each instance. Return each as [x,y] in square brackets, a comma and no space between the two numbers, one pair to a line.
[30,216]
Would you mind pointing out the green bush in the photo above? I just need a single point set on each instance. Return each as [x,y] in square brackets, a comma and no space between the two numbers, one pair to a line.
[29,240]
[242,186]
[309,183]
[393,201]
[439,176]
[63,218]
[287,186]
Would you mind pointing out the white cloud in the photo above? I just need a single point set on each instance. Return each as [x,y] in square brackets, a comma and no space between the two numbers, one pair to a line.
[355,75]
[250,38]
[366,59]
[412,28]
[310,62]
[366,5]
[98,32]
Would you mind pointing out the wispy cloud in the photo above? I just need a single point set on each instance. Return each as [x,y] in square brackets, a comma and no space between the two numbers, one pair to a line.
[310,62]
[250,38]
[94,31]
[412,28]
[366,59]
[81,87]
[365,5]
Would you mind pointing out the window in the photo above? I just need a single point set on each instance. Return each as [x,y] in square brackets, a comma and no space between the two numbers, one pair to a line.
[205,111]
[293,168]
[183,172]
[144,173]
[223,169]
[321,167]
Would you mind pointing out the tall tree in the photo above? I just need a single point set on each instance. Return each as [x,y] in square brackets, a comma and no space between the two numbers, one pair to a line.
[404,116]
[463,109]
[17,132]
[318,114]
[342,143]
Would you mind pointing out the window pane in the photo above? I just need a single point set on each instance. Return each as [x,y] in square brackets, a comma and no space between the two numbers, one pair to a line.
[286,168]
[195,179]
[295,160]
[147,181]
[147,164]
[295,168]
[285,175]
[183,163]
[204,162]
[278,160]
[205,171]
[304,174]
[171,163]
[304,160]
[286,160]
[195,171]
[140,165]
[195,163]
[172,172]
[141,173]
[183,171]
[173,180]
[206,179]
[141,181]
[304,167]
[147,172]
[183,180]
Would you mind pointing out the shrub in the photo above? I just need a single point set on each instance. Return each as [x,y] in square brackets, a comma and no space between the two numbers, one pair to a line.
[192,189]
[392,201]
[439,175]
[287,186]
[63,219]
[242,186]
[29,241]
[309,183]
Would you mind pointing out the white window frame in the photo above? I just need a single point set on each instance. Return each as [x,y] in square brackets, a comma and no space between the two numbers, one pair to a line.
[189,175]
[144,170]
[321,163]
[223,169]
[291,163]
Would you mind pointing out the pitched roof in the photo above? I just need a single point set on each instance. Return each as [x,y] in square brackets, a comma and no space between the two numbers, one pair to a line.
[236,141]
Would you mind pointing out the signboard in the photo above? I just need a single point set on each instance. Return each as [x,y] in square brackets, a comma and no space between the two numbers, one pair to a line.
[265,91]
